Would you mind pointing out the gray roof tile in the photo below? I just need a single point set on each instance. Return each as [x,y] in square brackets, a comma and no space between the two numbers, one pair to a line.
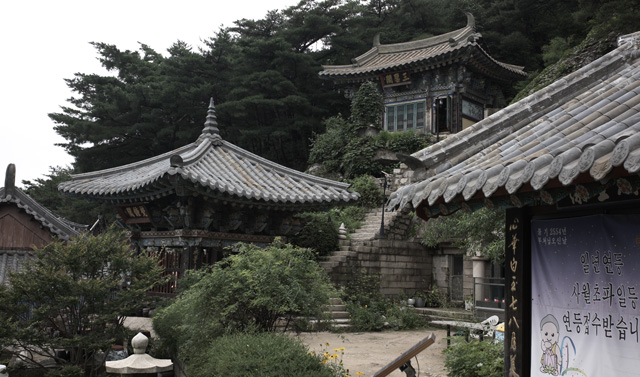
[430,52]
[216,166]
[586,123]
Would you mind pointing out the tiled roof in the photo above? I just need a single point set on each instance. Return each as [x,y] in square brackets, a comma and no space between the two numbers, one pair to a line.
[582,128]
[429,52]
[217,169]
[58,226]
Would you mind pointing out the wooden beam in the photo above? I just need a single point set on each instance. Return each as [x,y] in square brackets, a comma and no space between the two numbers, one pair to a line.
[402,359]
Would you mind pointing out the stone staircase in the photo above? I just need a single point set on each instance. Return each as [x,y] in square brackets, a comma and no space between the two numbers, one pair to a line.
[370,228]
[337,314]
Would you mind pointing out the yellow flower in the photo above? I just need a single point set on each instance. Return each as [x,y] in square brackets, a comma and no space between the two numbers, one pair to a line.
[359,373]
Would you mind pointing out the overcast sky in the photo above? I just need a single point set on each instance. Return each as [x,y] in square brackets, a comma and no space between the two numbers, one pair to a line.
[45,42]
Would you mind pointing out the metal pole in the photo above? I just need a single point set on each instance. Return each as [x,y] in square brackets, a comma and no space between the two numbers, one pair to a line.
[384,193]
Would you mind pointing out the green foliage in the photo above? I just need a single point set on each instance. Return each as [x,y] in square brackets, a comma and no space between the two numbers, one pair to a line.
[45,191]
[478,233]
[328,148]
[367,106]
[260,355]
[555,50]
[78,292]
[319,233]
[341,151]
[435,297]
[351,217]
[369,190]
[384,314]
[248,290]
[474,358]
[365,317]
[362,289]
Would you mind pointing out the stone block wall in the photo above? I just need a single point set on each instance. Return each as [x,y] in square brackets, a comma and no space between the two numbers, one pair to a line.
[404,266]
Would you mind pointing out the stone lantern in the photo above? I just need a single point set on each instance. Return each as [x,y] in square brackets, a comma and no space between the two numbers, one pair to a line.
[139,364]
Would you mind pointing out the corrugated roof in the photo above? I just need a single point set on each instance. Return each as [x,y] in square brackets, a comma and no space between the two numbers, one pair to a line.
[215,167]
[428,51]
[579,129]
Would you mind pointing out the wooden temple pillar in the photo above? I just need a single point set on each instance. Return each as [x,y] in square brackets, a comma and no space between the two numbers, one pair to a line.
[517,344]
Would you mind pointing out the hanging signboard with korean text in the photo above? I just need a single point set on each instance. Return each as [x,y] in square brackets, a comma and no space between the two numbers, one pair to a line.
[585,285]
[395,79]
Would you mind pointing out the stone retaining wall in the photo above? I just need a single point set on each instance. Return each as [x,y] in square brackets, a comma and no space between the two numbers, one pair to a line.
[404,266]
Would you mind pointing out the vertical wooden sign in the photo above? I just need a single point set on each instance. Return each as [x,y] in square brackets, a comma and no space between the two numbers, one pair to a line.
[517,351]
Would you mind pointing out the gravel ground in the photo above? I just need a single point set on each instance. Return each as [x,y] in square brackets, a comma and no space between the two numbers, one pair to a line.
[369,352]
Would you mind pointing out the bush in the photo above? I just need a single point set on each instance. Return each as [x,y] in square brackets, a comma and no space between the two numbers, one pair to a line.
[474,358]
[404,318]
[435,297]
[259,355]
[319,233]
[369,190]
[351,217]
[249,290]
[384,313]
[365,317]
[362,289]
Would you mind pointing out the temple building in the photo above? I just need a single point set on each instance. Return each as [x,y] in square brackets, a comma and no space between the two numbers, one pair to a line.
[192,202]
[441,84]
[564,163]
[26,224]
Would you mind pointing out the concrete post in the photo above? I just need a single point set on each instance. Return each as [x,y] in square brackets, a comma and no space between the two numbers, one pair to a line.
[479,268]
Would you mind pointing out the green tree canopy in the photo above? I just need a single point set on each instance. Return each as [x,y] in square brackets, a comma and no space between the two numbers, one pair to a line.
[479,233]
[45,191]
[74,296]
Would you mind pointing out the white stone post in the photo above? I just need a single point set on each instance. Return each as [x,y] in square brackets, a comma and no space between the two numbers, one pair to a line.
[479,268]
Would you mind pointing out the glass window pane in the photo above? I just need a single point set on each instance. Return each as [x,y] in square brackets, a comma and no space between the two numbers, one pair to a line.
[420,115]
[400,117]
[390,119]
[410,115]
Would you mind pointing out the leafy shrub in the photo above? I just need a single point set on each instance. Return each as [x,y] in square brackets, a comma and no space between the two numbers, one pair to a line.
[367,106]
[259,355]
[362,289]
[351,217]
[384,313]
[369,190]
[404,318]
[246,291]
[343,153]
[365,317]
[474,358]
[435,297]
[319,233]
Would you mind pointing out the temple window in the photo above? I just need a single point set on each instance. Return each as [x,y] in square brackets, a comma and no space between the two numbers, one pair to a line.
[405,116]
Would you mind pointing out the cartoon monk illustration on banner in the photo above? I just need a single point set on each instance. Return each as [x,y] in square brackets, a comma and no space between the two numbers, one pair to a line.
[549,331]
[555,357]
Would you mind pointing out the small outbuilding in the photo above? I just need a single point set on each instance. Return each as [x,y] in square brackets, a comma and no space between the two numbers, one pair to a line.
[25,224]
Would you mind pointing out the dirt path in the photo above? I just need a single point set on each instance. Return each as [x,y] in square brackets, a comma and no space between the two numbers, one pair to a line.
[369,352]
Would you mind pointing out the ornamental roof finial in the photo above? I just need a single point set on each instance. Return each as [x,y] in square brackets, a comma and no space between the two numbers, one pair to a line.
[211,124]
[10,180]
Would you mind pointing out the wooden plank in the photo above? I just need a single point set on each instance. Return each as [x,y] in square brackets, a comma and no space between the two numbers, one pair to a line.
[408,355]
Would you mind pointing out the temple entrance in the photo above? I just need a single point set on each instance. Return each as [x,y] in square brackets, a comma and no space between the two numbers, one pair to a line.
[442,111]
